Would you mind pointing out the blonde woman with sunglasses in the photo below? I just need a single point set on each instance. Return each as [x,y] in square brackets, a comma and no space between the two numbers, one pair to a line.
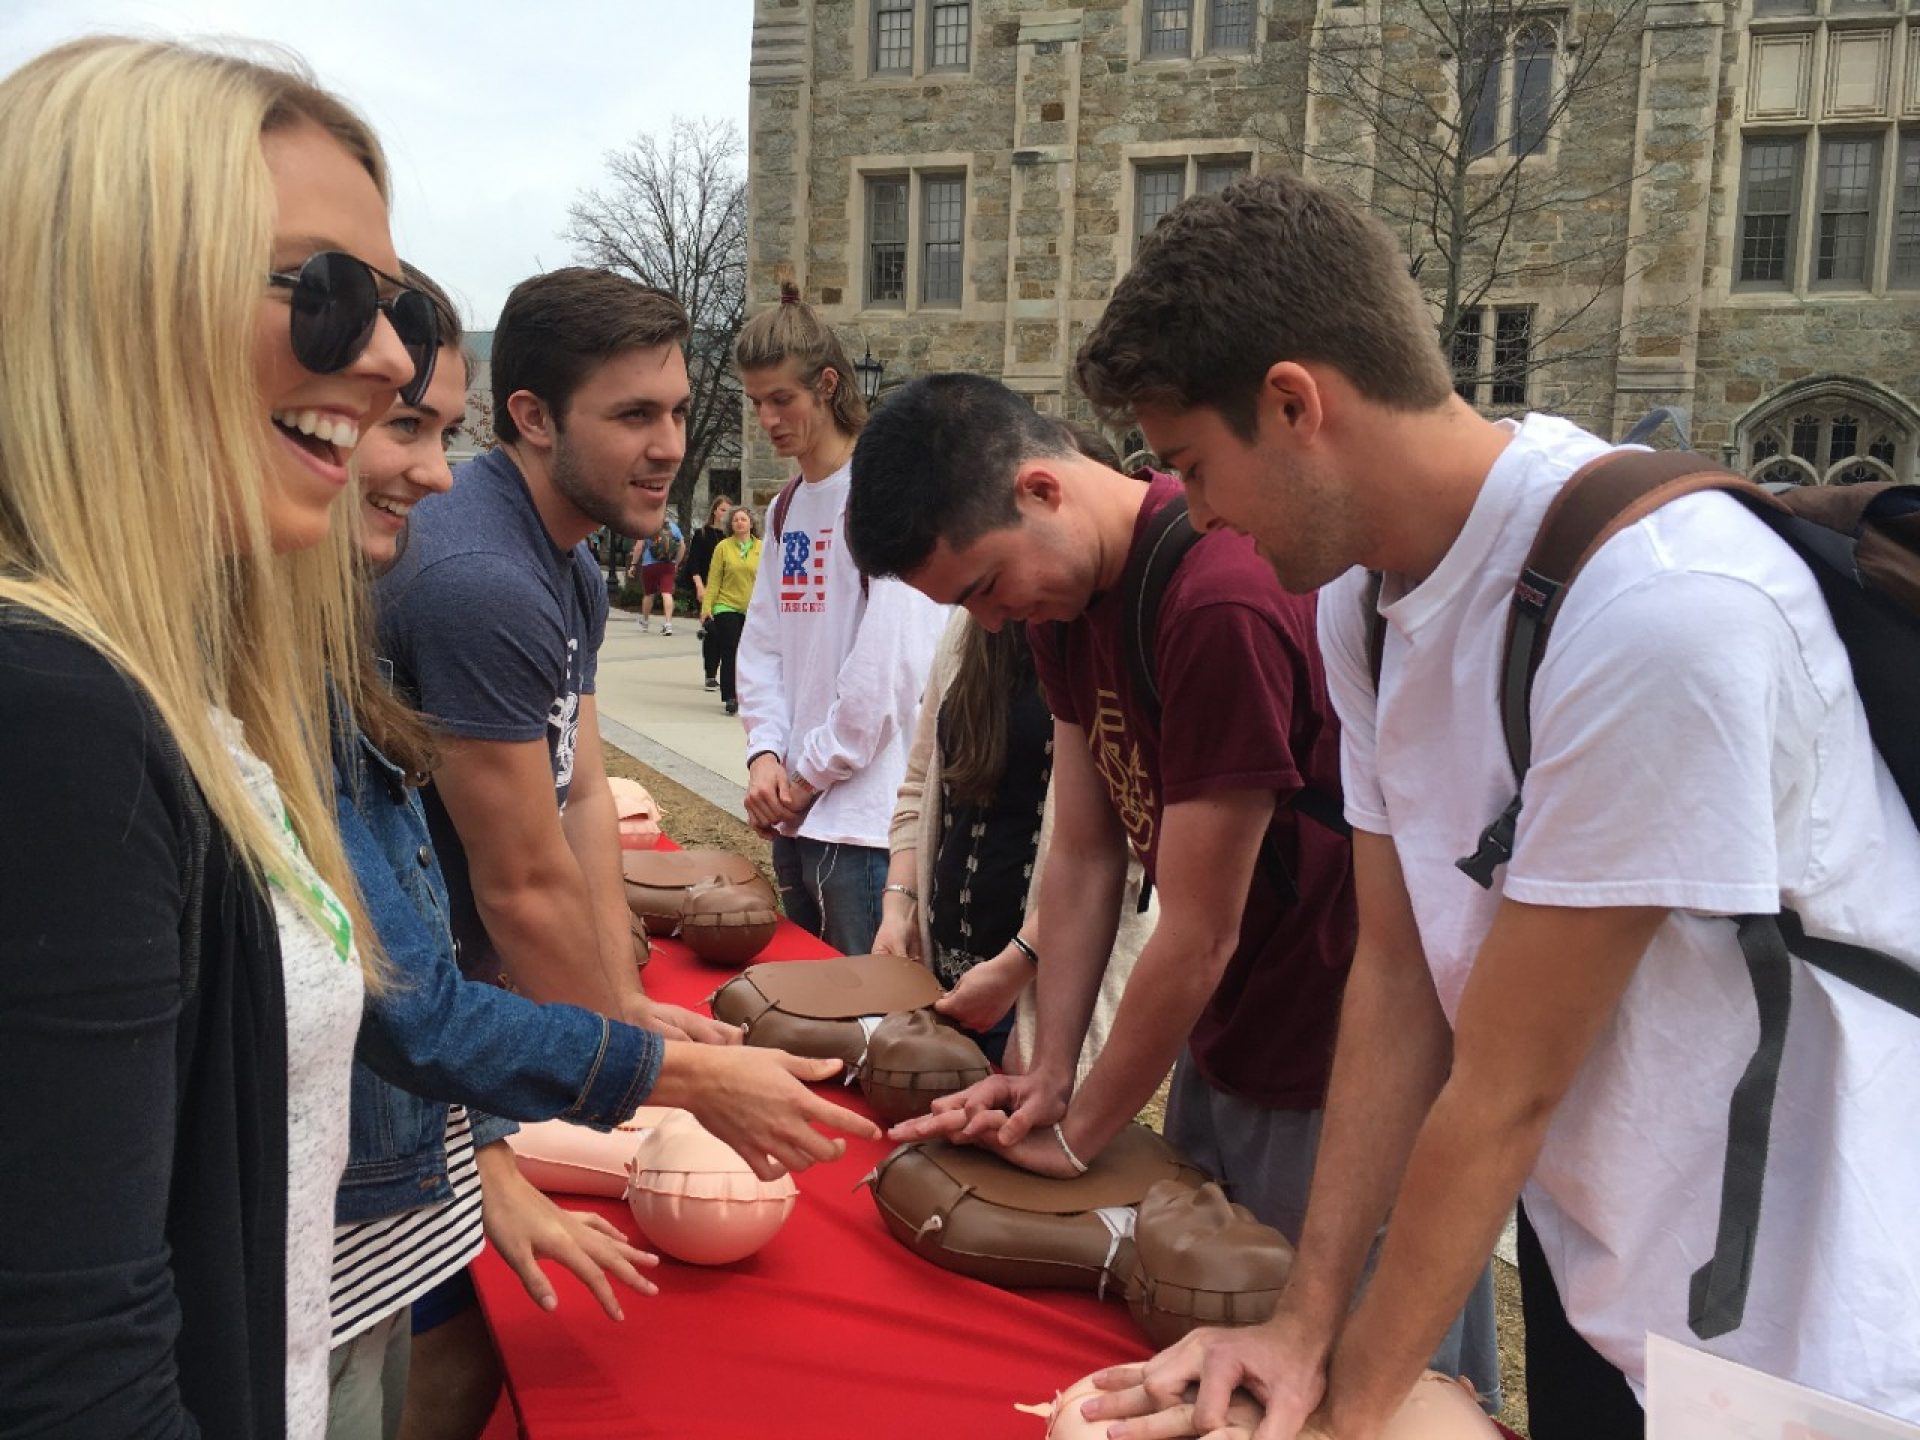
[197,320]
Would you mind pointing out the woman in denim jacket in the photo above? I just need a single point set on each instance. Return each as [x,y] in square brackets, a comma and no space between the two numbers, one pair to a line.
[422,1174]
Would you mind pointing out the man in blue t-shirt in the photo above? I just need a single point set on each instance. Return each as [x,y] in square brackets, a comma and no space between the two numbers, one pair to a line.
[656,561]
[492,619]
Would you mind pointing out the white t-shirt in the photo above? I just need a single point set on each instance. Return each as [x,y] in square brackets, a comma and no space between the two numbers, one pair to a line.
[830,679]
[325,994]
[1697,744]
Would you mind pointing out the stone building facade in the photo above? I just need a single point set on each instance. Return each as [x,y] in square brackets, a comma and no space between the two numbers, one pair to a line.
[957,184]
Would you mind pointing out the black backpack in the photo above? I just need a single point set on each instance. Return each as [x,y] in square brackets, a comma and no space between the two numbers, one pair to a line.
[1143,586]
[1862,543]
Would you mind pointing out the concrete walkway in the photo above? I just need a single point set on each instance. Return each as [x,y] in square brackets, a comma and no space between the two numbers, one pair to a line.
[654,706]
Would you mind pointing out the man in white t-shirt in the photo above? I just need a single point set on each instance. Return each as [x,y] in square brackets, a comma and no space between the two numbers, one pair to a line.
[1572,1035]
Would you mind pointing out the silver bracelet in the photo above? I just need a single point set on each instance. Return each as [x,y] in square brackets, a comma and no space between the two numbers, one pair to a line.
[1079,1165]
[912,895]
[1033,957]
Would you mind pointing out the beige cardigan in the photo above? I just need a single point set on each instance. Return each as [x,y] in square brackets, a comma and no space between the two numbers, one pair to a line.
[916,827]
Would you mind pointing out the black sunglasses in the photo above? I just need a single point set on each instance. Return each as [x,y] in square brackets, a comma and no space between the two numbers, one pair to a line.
[337,302]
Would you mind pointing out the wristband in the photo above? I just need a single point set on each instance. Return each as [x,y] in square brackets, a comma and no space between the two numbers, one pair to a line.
[1033,956]
[912,895]
[1079,1165]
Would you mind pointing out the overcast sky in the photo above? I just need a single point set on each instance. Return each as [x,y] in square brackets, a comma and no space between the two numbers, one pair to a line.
[495,113]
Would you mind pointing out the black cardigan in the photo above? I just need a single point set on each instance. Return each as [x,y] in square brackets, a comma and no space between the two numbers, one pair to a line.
[143,1075]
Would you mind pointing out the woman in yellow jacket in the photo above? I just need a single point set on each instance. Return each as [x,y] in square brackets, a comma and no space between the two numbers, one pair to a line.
[736,562]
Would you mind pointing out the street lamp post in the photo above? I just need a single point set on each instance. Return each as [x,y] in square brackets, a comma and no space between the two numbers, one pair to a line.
[870,370]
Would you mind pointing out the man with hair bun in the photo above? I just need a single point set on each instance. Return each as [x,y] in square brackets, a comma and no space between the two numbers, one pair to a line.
[831,666]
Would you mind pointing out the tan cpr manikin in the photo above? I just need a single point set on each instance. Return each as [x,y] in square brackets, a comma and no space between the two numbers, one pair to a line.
[1438,1409]
[561,1158]
[638,811]
[695,1199]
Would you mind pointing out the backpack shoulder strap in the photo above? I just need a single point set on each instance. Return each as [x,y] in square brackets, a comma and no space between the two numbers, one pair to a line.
[1150,567]
[1169,536]
[1598,501]
[1376,628]
[781,504]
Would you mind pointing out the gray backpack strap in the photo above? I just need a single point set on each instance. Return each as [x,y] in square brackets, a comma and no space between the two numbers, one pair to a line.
[1717,1291]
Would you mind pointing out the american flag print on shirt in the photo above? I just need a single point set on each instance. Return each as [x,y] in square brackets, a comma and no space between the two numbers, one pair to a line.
[803,571]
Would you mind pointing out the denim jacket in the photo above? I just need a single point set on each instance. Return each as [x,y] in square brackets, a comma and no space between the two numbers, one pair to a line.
[433,1034]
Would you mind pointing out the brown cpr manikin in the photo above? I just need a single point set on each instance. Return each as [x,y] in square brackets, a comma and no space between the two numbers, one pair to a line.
[1198,1259]
[716,901]
[825,1009]
[967,1210]
[914,1058]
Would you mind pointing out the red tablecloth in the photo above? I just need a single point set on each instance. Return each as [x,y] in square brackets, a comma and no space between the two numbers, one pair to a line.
[832,1332]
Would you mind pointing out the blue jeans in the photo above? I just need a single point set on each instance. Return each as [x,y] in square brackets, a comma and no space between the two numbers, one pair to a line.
[832,891]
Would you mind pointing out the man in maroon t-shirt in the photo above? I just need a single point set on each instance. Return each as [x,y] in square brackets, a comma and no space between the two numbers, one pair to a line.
[961,489]
[1240,981]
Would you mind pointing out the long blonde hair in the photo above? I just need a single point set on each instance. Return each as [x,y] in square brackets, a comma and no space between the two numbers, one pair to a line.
[138,221]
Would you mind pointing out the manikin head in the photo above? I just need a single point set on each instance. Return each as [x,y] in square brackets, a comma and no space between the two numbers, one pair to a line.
[796,376]
[972,497]
[590,397]
[1260,340]
[403,459]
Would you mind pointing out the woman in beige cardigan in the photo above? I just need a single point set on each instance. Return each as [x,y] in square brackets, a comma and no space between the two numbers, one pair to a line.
[928,910]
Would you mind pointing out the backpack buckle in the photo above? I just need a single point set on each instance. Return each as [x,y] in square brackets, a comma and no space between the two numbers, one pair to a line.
[1495,848]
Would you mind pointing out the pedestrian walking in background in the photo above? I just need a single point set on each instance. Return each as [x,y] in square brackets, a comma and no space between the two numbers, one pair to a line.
[699,562]
[656,560]
[724,593]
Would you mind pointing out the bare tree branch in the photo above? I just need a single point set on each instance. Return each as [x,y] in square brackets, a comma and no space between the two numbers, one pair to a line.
[1395,103]
[674,215]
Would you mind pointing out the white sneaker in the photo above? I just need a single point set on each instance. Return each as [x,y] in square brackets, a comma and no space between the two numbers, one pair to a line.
[643,623]
[666,629]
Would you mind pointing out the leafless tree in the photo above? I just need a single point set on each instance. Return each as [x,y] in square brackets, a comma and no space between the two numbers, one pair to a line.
[1498,137]
[674,215]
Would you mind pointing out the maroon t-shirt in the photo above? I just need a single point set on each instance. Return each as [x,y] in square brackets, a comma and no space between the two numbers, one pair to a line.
[1243,707]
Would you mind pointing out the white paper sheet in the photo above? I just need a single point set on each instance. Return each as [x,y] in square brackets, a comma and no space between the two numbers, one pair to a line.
[1695,1396]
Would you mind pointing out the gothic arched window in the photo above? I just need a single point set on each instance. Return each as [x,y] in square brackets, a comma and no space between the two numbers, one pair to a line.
[1830,432]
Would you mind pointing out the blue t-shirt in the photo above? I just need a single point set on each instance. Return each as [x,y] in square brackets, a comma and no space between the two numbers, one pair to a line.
[494,632]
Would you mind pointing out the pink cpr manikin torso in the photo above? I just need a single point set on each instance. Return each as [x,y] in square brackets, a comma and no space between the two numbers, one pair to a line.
[562,1158]
[1438,1409]
[695,1199]
[638,812]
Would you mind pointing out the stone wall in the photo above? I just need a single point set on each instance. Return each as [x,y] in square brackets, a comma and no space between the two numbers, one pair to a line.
[1622,242]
